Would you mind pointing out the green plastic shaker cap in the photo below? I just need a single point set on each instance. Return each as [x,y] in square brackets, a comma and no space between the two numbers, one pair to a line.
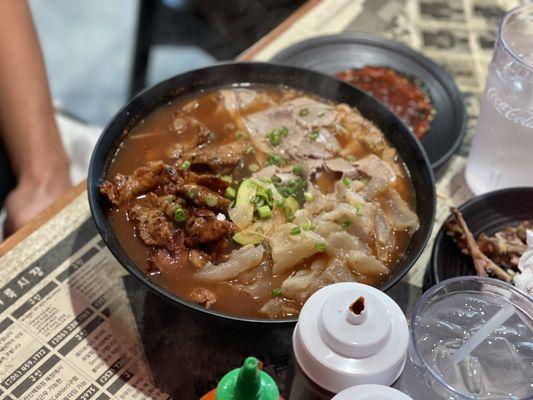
[247,383]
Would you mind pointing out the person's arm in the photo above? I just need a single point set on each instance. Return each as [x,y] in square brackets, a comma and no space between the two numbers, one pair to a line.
[27,124]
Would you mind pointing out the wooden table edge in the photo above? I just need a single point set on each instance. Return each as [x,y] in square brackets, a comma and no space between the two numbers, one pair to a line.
[42,218]
[67,198]
[278,30]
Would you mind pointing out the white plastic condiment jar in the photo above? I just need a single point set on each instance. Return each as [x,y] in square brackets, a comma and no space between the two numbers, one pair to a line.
[371,392]
[347,334]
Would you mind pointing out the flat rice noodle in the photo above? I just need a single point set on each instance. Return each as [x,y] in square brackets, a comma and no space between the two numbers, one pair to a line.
[384,236]
[321,203]
[365,264]
[373,188]
[398,213]
[288,250]
[335,272]
[361,226]
[258,281]
[300,286]
[279,307]
[240,260]
[340,243]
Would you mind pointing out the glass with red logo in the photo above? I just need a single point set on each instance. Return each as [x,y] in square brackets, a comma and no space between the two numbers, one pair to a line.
[500,155]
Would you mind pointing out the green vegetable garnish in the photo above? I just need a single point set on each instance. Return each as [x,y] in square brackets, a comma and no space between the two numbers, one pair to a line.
[308,225]
[345,224]
[211,200]
[322,113]
[276,292]
[250,150]
[346,181]
[231,193]
[274,159]
[308,196]
[191,194]
[359,209]
[296,230]
[264,212]
[314,134]
[186,165]
[297,169]
[276,134]
[179,214]
[253,167]
[321,247]
[241,135]
[351,158]
[303,112]
[227,178]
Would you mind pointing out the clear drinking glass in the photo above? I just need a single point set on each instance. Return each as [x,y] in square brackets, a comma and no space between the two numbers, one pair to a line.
[491,322]
[502,145]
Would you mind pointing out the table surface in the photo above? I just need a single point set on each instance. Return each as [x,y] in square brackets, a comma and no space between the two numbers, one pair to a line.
[63,238]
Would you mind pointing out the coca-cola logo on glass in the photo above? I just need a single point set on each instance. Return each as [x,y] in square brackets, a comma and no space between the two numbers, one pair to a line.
[520,116]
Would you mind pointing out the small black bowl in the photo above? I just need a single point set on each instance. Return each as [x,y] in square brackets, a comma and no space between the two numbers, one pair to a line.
[260,73]
[487,213]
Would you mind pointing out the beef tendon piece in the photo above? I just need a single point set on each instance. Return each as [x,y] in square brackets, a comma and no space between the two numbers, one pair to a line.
[201,196]
[484,265]
[219,158]
[122,188]
[203,296]
[204,227]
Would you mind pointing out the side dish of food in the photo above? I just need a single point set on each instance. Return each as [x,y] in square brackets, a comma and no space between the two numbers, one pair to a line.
[249,199]
[402,95]
[496,255]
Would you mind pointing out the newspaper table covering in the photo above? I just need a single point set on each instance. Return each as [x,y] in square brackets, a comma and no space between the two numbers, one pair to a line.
[74,325]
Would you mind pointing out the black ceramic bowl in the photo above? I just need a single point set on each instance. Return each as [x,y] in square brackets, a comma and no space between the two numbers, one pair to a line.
[487,213]
[260,73]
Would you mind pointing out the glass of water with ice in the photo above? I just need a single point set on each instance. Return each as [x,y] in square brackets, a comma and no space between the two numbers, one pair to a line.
[502,145]
[471,338]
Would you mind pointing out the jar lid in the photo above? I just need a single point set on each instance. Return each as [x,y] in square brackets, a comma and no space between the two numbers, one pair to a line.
[349,334]
[371,392]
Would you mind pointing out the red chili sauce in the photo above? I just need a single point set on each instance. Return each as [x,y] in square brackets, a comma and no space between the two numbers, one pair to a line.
[399,93]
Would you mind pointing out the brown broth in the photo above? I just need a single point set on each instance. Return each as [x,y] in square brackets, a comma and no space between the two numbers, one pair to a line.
[150,141]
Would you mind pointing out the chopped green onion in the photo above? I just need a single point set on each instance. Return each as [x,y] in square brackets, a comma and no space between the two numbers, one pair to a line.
[179,214]
[359,209]
[351,158]
[191,194]
[303,112]
[345,224]
[297,169]
[290,217]
[170,199]
[308,196]
[253,167]
[346,181]
[321,247]
[274,159]
[296,230]
[241,135]
[250,150]
[308,225]
[276,179]
[231,193]
[227,178]
[211,200]
[264,212]
[284,131]
[314,134]
[276,292]
[186,165]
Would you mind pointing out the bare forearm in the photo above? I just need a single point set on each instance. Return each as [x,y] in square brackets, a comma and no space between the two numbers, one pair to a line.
[27,122]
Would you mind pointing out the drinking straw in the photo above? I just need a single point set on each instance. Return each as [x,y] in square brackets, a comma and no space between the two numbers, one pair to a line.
[477,338]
